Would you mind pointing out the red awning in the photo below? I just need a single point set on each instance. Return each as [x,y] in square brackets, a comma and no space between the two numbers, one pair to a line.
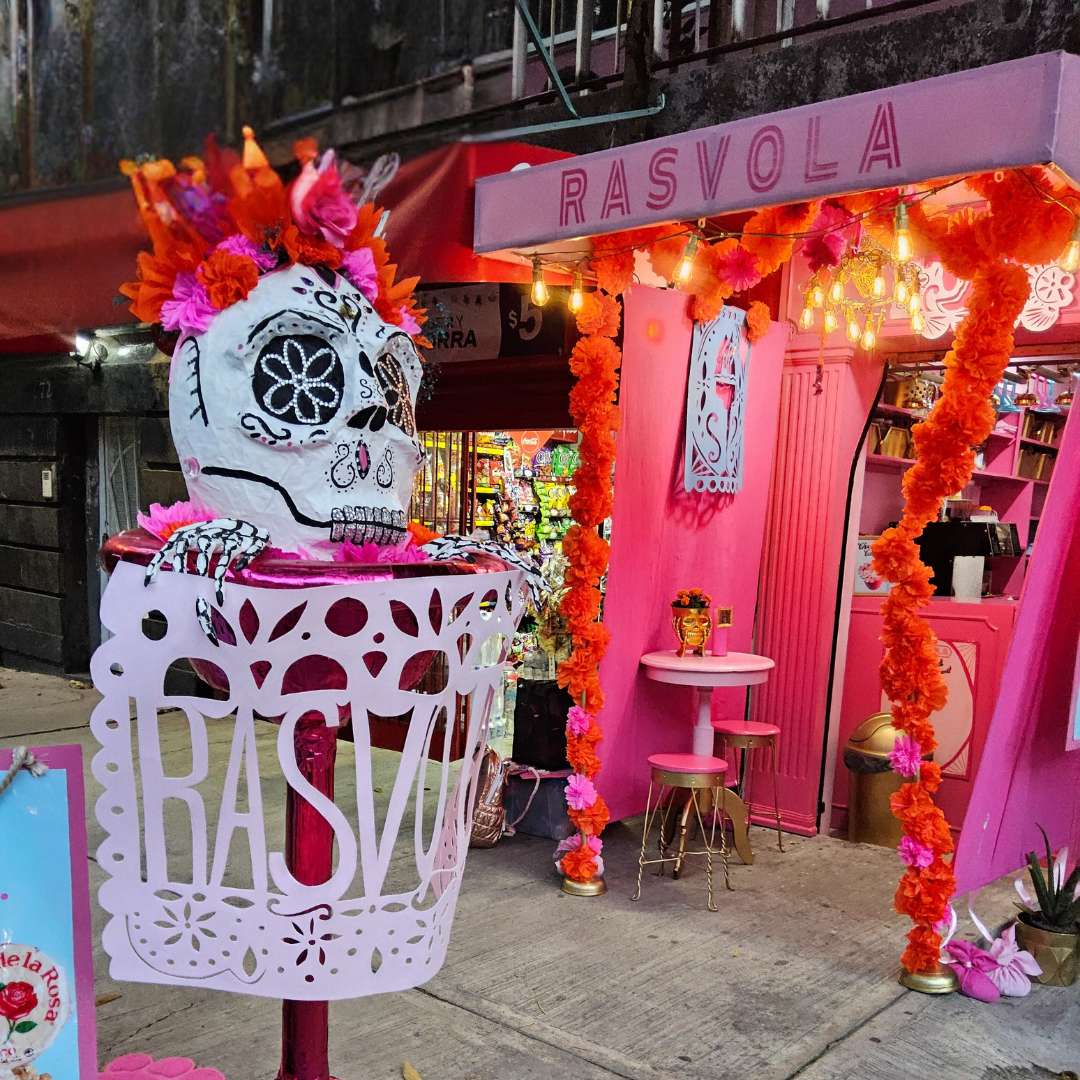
[62,260]
[430,200]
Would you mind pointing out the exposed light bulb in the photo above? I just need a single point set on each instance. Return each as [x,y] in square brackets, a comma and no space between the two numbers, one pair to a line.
[1070,257]
[685,270]
[830,321]
[914,303]
[577,297]
[539,286]
[901,292]
[836,291]
[879,285]
[902,247]
[853,330]
[917,323]
[806,319]
[868,339]
[817,296]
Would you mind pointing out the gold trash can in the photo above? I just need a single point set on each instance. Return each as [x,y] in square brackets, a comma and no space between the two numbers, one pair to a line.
[871,782]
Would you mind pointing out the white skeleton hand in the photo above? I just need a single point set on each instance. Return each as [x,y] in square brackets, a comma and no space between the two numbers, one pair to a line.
[449,547]
[236,542]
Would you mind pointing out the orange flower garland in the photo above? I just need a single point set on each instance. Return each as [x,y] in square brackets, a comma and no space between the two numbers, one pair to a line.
[1019,223]
[595,361]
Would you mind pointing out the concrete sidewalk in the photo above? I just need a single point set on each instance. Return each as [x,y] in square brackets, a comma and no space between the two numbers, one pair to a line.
[793,977]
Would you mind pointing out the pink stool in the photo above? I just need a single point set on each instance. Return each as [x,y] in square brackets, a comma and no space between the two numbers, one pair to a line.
[703,777]
[744,736]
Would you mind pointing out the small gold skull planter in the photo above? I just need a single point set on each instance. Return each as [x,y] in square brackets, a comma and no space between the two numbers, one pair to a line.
[692,626]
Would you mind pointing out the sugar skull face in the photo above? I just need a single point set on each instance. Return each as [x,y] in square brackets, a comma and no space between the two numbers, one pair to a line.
[294,411]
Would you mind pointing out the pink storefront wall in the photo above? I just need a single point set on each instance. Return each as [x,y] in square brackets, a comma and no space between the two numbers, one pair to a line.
[1026,777]
[665,539]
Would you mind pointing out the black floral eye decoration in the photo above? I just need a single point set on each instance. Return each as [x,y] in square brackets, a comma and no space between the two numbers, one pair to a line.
[299,379]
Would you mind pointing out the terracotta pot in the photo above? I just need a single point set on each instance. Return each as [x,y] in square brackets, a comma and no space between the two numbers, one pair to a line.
[1057,954]
[692,626]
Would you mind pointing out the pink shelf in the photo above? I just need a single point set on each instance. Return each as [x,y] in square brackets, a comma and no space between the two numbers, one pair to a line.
[896,412]
[882,463]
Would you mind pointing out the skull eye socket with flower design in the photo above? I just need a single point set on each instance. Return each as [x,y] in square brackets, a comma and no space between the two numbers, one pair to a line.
[294,409]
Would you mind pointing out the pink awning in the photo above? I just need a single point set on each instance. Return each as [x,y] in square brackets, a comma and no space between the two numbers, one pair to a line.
[1001,116]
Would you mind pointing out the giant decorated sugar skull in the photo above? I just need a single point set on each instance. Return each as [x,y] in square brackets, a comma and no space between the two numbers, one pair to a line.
[294,409]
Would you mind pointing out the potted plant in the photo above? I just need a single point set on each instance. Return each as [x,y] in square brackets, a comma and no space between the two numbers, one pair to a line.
[1047,926]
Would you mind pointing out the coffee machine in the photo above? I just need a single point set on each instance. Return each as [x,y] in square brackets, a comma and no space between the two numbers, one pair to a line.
[942,541]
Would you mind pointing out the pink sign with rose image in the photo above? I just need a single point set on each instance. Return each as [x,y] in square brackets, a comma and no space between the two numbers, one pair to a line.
[46,960]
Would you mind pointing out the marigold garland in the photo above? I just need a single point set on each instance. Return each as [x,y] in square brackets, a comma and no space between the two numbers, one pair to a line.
[1019,223]
[595,361]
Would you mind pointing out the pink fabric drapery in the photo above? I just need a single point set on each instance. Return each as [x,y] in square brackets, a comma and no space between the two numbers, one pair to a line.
[665,539]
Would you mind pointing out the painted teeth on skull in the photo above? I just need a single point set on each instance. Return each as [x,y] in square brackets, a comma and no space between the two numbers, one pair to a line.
[296,402]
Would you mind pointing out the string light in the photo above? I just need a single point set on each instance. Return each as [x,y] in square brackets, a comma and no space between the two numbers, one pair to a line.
[577,297]
[685,270]
[806,319]
[830,322]
[1070,257]
[901,292]
[868,339]
[817,296]
[902,248]
[836,291]
[853,330]
[914,303]
[917,324]
[539,286]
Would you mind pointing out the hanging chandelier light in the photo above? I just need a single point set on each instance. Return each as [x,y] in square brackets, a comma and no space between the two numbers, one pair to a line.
[1026,399]
[858,289]
[1066,395]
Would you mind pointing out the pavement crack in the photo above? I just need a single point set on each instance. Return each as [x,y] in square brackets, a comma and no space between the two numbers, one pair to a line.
[628,1071]
[843,1038]
[160,1019]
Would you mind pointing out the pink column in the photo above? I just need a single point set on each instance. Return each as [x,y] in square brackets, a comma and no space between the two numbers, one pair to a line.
[801,560]
[309,849]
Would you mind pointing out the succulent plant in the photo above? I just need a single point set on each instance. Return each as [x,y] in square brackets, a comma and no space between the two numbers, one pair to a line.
[1056,904]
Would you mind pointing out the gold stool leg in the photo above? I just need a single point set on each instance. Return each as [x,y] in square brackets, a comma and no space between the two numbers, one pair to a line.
[645,839]
[723,838]
[708,847]
[775,796]
[685,819]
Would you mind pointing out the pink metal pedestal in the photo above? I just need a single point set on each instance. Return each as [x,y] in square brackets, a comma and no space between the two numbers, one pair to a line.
[309,849]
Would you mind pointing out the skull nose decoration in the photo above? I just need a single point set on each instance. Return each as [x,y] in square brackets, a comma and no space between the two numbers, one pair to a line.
[299,380]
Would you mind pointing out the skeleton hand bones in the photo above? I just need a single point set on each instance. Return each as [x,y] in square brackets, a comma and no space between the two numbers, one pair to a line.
[235,542]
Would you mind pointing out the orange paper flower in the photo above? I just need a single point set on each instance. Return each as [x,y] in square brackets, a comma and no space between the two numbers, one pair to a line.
[228,278]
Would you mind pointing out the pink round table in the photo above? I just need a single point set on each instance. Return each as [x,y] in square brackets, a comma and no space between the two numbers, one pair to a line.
[704,673]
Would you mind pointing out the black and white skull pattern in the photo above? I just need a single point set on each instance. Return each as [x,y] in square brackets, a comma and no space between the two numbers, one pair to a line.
[299,379]
[460,547]
[235,542]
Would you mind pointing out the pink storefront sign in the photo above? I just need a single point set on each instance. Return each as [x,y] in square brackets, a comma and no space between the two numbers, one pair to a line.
[1003,115]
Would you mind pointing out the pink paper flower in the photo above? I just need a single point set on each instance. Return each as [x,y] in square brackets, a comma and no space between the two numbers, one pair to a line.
[360,267]
[163,521]
[572,843]
[973,966]
[580,793]
[577,720]
[1014,965]
[409,324]
[905,756]
[190,310]
[738,269]
[348,552]
[239,244]
[824,250]
[320,204]
[912,853]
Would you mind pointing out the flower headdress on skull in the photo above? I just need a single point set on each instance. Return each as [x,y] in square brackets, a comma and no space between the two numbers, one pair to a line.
[295,366]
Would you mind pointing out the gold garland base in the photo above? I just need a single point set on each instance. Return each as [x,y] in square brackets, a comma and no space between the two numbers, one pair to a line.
[593,887]
[942,981]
